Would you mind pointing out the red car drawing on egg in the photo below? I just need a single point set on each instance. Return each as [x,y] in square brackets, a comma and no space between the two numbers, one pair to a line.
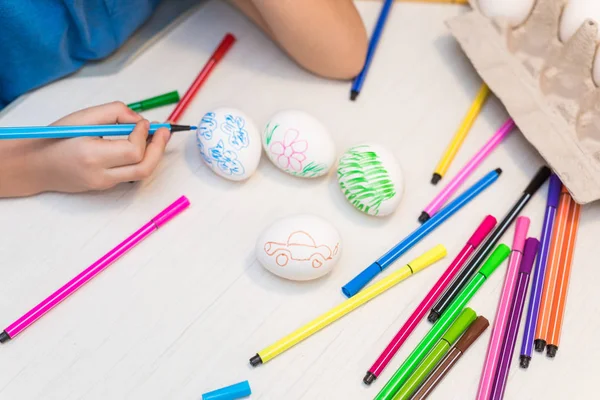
[300,246]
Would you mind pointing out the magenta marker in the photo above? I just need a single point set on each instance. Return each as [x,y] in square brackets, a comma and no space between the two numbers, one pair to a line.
[90,272]
[466,171]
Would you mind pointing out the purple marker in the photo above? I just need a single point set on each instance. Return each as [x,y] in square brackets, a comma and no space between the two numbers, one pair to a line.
[514,319]
[539,273]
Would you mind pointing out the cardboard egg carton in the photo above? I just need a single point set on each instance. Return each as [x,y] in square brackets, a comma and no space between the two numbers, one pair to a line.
[545,85]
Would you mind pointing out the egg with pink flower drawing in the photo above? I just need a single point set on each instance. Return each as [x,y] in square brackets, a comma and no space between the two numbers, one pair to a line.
[299,144]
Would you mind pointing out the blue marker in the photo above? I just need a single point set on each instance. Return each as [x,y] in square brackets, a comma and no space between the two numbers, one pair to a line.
[65,131]
[360,79]
[233,392]
[362,279]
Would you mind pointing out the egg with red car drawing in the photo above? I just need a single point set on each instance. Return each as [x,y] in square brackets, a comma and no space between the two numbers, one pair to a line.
[229,143]
[299,248]
[298,144]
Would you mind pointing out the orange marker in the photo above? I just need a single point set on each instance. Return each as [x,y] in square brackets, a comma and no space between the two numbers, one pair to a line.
[555,256]
[562,282]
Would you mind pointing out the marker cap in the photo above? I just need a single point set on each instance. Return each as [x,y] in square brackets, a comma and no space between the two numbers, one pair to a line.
[531,249]
[498,256]
[521,228]
[473,333]
[464,320]
[168,213]
[361,280]
[554,189]
[154,102]
[482,231]
[538,180]
[428,258]
[233,392]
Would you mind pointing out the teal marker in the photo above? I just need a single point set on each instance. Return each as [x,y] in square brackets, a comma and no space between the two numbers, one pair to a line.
[433,336]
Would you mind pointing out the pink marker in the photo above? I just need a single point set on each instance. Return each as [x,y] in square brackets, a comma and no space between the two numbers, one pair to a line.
[90,272]
[466,171]
[491,361]
[409,326]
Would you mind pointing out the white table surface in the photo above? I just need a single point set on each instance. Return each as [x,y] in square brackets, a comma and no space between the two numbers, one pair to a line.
[182,313]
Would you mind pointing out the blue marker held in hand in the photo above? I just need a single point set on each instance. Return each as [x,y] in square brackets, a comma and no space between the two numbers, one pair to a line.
[362,279]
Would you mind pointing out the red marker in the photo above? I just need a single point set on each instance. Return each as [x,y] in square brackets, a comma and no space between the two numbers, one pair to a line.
[409,326]
[223,48]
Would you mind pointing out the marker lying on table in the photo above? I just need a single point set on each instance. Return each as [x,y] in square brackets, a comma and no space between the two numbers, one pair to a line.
[154,102]
[438,288]
[441,348]
[233,392]
[514,320]
[437,330]
[425,260]
[466,171]
[537,283]
[492,357]
[463,277]
[90,272]
[442,369]
[362,279]
[66,131]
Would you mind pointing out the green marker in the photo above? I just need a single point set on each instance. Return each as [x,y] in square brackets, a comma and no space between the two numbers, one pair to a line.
[442,347]
[435,333]
[154,102]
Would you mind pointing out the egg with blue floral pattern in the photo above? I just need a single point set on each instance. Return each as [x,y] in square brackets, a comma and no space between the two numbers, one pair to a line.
[229,143]
[299,144]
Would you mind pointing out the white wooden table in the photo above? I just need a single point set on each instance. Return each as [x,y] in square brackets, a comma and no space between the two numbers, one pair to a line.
[182,313]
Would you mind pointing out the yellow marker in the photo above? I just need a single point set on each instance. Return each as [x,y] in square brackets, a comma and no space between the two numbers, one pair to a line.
[422,262]
[461,134]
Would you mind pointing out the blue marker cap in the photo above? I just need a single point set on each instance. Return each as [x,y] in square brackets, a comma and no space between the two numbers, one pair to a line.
[233,392]
[554,188]
[361,280]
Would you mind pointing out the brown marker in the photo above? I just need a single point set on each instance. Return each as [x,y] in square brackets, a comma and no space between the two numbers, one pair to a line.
[469,337]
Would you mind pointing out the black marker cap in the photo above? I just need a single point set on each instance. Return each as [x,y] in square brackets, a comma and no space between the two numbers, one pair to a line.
[538,180]
[524,362]
[540,345]
[256,360]
[4,337]
[551,350]
[369,378]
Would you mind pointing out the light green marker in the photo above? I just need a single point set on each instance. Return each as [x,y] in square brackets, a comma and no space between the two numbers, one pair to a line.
[442,347]
[441,326]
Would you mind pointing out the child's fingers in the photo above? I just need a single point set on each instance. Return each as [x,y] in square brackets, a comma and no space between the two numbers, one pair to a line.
[111,113]
[142,170]
[118,153]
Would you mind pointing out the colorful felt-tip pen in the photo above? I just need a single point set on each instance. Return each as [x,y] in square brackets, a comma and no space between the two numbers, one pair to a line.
[441,348]
[437,330]
[438,288]
[537,282]
[364,277]
[66,132]
[233,392]
[471,335]
[502,313]
[514,320]
[467,272]
[418,264]
[154,102]
[86,275]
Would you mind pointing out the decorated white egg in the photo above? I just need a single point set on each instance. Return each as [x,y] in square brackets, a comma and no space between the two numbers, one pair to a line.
[575,14]
[229,143]
[371,179]
[516,11]
[297,143]
[300,248]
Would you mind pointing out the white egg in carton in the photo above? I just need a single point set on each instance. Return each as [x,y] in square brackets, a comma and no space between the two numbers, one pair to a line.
[547,86]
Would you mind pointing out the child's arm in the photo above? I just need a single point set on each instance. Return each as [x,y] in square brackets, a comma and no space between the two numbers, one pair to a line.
[28,167]
[327,37]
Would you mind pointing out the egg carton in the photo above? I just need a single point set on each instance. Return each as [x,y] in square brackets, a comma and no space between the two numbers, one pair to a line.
[546,86]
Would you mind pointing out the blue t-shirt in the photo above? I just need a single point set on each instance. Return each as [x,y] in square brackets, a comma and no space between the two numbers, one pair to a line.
[44,40]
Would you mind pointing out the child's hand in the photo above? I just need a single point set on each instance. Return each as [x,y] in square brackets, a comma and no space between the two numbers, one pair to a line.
[82,164]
